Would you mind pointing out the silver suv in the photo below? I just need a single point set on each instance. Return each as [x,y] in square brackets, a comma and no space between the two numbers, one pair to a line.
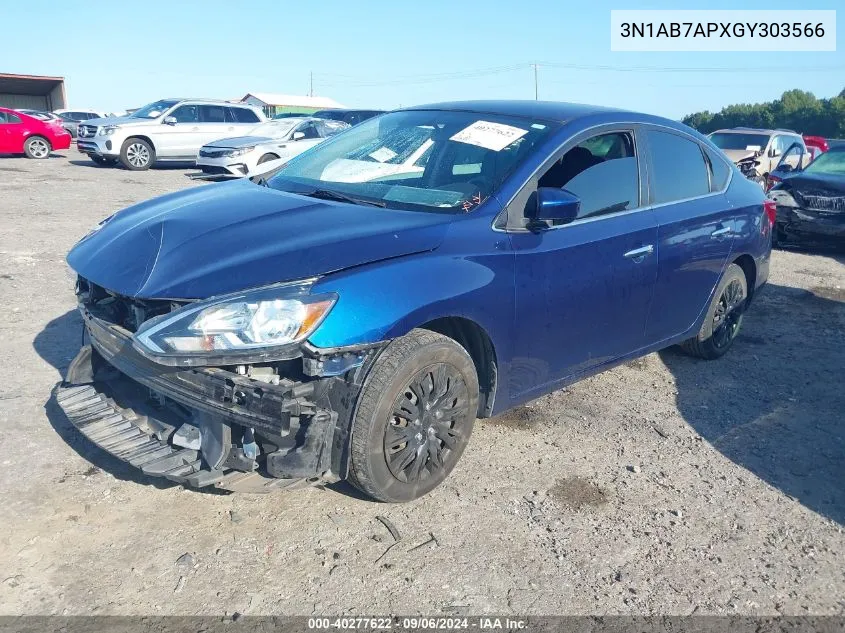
[167,130]
[757,152]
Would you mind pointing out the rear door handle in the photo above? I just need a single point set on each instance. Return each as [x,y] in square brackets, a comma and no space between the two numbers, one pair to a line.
[725,230]
[639,254]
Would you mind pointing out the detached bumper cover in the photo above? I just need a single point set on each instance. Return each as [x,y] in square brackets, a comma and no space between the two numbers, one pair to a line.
[130,437]
[107,397]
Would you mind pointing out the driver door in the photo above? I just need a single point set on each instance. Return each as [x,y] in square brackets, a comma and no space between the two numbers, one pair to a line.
[583,289]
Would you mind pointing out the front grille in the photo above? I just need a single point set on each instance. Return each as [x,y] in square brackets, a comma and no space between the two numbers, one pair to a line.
[127,312]
[212,170]
[213,153]
[821,201]
[87,131]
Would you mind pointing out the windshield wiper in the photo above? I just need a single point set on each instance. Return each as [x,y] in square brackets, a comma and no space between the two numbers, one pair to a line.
[327,194]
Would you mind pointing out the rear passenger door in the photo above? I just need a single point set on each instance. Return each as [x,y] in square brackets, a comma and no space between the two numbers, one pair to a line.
[695,228]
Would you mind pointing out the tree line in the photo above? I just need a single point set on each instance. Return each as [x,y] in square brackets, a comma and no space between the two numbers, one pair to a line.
[795,110]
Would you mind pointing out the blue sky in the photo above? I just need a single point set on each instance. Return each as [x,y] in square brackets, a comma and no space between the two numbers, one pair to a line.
[389,53]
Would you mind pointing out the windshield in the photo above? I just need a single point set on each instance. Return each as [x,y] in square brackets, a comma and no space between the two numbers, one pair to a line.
[421,160]
[731,140]
[830,163]
[153,110]
[277,128]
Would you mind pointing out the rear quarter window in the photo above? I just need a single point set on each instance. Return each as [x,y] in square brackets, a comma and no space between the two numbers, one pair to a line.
[678,168]
[244,115]
[719,170]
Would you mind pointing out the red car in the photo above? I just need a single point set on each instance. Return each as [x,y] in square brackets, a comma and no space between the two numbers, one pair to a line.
[816,145]
[24,134]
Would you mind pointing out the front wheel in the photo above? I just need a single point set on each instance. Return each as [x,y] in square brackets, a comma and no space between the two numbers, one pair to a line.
[414,417]
[37,147]
[724,317]
[137,154]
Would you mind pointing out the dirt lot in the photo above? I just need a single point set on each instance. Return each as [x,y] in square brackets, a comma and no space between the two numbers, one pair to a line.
[667,486]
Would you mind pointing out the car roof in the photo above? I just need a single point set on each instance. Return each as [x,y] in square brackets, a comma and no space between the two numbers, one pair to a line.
[755,130]
[214,101]
[559,111]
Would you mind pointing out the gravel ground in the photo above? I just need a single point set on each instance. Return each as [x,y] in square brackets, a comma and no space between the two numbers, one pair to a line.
[665,486]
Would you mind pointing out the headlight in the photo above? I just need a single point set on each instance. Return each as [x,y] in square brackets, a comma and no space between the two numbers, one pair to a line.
[261,324]
[234,153]
[108,130]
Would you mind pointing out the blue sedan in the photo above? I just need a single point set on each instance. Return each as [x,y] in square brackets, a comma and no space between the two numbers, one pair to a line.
[350,316]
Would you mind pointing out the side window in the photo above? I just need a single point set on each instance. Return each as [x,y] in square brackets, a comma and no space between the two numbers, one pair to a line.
[244,115]
[719,170]
[212,114]
[309,129]
[11,118]
[3,118]
[330,128]
[186,114]
[678,167]
[601,171]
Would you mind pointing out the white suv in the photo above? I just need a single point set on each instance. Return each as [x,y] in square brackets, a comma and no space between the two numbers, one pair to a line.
[167,130]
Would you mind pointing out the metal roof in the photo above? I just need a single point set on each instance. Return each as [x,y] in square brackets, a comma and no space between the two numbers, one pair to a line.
[28,84]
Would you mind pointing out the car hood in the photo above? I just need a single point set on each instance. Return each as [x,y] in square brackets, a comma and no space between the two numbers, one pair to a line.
[737,155]
[821,192]
[232,236]
[827,183]
[238,142]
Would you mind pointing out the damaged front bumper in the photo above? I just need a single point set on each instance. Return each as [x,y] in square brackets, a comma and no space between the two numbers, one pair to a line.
[815,224]
[212,426]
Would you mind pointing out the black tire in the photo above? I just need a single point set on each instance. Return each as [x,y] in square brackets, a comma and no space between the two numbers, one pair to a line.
[37,147]
[102,161]
[419,368]
[724,317]
[137,154]
[267,158]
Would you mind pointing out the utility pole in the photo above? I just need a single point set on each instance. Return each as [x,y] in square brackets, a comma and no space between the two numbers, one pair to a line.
[311,90]
[536,66]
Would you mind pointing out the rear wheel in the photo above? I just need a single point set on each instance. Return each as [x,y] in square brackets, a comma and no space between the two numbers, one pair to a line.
[724,317]
[37,147]
[414,417]
[137,154]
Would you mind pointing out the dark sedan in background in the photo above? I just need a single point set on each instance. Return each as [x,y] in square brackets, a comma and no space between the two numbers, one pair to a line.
[811,202]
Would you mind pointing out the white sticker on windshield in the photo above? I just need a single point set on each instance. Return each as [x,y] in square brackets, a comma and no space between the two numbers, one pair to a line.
[494,136]
[383,154]
[752,148]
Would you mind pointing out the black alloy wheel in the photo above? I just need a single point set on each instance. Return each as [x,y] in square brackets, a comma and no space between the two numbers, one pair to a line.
[427,422]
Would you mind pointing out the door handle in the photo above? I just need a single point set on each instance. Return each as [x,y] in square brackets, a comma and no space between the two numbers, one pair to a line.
[639,254]
[725,230]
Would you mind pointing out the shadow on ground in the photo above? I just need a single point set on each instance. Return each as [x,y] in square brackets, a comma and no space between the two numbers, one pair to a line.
[775,404]
[175,166]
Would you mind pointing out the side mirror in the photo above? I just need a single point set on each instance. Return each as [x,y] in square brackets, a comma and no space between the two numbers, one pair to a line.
[298,135]
[774,152]
[549,203]
[170,120]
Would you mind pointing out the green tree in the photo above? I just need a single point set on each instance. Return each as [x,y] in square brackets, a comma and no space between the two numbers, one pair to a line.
[797,110]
